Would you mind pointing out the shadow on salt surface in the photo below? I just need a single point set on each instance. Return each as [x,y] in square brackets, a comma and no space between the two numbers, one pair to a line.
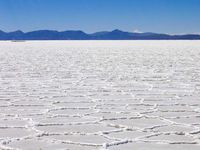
[128,134]
[174,128]
[71,111]
[154,146]
[187,120]
[12,121]
[174,138]
[76,128]
[172,114]
[16,132]
[90,139]
[42,144]
[138,122]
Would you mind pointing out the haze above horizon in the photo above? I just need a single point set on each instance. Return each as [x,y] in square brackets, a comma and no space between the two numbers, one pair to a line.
[160,16]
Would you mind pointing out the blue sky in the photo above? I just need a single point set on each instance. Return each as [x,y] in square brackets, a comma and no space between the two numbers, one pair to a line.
[163,16]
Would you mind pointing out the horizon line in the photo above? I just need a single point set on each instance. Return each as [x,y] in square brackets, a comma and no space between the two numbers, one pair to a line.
[140,32]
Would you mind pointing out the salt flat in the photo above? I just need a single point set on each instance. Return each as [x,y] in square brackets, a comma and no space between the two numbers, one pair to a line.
[98,95]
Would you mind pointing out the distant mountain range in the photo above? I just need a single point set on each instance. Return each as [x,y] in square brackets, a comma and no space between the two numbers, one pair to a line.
[80,35]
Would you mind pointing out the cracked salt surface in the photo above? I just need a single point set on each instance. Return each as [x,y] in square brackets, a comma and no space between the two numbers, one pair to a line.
[98,95]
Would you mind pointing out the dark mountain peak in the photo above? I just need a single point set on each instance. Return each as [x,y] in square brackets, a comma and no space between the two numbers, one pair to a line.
[74,35]
[74,31]
[117,31]
[148,33]
[2,31]
[99,33]
[43,31]
[17,32]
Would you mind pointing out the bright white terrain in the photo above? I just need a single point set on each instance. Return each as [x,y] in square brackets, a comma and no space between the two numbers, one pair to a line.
[97,95]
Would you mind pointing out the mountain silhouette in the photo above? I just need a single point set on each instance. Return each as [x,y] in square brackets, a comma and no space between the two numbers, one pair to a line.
[80,35]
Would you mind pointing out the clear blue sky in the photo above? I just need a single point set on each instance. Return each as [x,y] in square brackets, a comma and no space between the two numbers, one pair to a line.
[166,16]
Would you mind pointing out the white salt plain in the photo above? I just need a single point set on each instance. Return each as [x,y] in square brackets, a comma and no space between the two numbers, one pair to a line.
[98,95]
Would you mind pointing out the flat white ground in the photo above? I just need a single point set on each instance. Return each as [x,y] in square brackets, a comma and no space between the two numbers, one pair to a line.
[95,95]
